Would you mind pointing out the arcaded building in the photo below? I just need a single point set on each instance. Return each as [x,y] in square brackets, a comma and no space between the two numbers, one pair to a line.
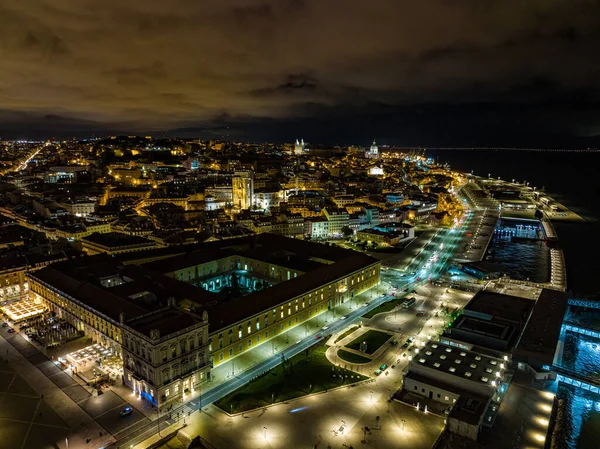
[174,313]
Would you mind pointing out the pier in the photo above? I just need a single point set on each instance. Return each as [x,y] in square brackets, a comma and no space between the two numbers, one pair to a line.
[558,271]
[549,231]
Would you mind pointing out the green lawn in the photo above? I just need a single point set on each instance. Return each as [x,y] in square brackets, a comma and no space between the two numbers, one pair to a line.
[299,376]
[346,333]
[385,307]
[374,339]
[351,357]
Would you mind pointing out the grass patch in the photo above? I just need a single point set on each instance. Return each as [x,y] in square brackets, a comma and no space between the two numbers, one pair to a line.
[346,333]
[385,307]
[351,357]
[374,339]
[307,372]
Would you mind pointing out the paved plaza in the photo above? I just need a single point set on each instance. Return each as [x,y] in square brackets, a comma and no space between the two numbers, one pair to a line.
[328,420]
[26,419]
[42,405]
[336,418]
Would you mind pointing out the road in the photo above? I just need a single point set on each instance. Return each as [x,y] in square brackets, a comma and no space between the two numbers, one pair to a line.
[23,164]
[413,276]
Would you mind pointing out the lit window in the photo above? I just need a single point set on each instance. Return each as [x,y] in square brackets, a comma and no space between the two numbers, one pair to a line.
[462,354]
[452,369]
[443,357]
[436,364]
[458,361]
[422,360]
[473,365]
[167,392]
[484,379]
[434,346]
[446,398]
[468,374]
[493,362]
[448,350]
[489,370]
[477,358]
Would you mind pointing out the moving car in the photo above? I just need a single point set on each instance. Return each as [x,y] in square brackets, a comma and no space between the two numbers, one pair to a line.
[126,411]
[420,314]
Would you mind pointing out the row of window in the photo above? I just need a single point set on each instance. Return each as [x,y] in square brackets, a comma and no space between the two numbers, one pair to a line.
[79,312]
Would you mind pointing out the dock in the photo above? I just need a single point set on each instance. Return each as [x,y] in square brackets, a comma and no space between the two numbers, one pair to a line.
[549,231]
[558,270]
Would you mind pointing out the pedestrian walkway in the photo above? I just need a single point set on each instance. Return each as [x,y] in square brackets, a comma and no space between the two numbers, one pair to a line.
[248,359]
[57,413]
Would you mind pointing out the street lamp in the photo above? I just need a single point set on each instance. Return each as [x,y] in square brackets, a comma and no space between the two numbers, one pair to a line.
[265,427]
[371,395]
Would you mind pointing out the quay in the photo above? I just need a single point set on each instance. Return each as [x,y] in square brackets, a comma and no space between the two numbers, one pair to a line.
[549,231]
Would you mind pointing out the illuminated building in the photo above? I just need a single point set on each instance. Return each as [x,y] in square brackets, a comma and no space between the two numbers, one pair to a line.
[372,152]
[243,189]
[171,313]
[299,147]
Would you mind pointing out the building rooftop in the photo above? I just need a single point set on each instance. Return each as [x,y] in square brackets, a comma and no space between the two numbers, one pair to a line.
[116,239]
[499,306]
[458,362]
[166,321]
[91,295]
[539,340]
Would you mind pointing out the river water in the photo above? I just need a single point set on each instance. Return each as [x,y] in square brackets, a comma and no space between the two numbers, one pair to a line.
[571,179]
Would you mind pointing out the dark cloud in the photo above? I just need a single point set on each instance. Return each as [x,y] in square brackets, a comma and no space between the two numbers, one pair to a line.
[272,65]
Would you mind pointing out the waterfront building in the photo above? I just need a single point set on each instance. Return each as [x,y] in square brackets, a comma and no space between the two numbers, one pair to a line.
[173,313]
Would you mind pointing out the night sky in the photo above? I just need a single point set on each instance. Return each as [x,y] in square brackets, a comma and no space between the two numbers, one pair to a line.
[445,73]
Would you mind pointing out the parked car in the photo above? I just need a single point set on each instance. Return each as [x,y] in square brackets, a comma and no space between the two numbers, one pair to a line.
[126,411]
[11,331]
[5,324]
[420,314]
[378,372]
[383,367]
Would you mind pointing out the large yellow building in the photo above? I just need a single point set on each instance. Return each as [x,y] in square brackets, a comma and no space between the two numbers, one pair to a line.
[172,314]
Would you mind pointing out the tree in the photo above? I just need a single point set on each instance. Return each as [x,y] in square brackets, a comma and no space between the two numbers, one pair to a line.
[347,231]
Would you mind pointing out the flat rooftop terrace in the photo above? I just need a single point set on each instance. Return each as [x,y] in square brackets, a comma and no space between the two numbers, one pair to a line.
[497,305]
